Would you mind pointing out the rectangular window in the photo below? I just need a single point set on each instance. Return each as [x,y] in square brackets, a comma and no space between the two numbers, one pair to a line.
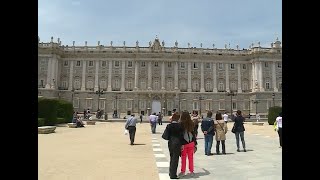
[64,84]
[196,105]
[246,105]
[169,64]
[182,65]
[65,63]
[116,63]
[102,104]
[78,63]
[143,64]
[90,63]
[221,105]
[156,64]
[267,85]
[208,65]
[129,104]
[76,102]
[129,63]
[208,105]
[279,65]
[234,105]
[244,66]
[266,64]
[195,65]
[103,63]
[220,65]
[231,66]
[89,103]
[142,105]
[280,85]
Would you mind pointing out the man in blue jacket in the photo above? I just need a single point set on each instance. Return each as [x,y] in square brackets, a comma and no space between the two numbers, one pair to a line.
[208,131]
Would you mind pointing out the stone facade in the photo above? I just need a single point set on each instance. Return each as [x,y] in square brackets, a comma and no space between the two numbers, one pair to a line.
[144,79]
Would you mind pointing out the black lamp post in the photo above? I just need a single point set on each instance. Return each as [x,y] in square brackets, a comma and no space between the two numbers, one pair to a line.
[249,108]
[231,93]
[273,95]
[256,102]
[99,92]
[200,99]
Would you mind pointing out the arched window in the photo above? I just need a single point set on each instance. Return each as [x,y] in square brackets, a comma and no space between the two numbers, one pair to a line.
[221,86]
[208,87]
[77,84]
[233,86]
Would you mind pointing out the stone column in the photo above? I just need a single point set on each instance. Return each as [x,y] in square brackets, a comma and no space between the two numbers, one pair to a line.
[163,76]
[239,78]
[189,77]
[254,77]
[123,71]
[214,67]
[71,76]
[136,75]
[227,78]
[274,79]
[176,86]
[96,77]
[83,83]
[49,79]
[53,71]
[109,76]
[261,84]
[202,77]
[149,75]
[55,75]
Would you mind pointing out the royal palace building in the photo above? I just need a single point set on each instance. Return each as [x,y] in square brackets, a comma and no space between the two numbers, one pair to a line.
[133,79]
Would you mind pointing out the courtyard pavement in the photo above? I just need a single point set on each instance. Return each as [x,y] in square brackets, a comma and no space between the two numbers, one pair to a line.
[102,152]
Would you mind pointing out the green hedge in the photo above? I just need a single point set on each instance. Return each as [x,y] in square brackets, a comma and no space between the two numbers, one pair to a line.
[47,109]
[273,114]
[40,122]
[50,109]
[65,111]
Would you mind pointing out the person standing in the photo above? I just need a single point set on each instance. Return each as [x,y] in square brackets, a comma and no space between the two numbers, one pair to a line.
[221,130]
[131,126]
[239,130]
[141,118]
[225,117]
[174,135]
[188,144]
[195,119]
[153,122]
[279,128]
[208,131]
[160,118]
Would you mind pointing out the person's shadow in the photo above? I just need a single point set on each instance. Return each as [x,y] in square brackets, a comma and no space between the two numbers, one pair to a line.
[196,174]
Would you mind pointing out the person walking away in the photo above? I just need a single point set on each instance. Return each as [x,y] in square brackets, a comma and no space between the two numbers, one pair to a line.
[153,122]
[160,118]
[196,119]
[225,117]
[208,131]
[279,127]
[239,130]
[221,130]
[174,134]
[188,144]
[131,126]
[174,111]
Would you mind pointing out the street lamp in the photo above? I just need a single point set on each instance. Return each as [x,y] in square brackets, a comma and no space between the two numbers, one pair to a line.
[273,95]
[117,115]
[99,92]
[231,93]
[200,99]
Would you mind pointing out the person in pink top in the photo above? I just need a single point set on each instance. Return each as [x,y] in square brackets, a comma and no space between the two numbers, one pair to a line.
[189,143]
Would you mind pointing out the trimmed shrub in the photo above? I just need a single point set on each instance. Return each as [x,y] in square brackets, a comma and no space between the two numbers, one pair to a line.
[65,111]
[47,109]
[273,114]
[60,121]
[40,122]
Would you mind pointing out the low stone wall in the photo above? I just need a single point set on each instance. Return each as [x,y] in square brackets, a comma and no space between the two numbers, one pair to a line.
[46,129]
[72,125]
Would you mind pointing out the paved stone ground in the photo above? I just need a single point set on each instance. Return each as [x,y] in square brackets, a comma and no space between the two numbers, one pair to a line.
[262,161]
[102,151]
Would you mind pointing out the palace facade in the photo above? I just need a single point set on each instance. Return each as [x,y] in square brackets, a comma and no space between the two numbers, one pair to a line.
[159,78]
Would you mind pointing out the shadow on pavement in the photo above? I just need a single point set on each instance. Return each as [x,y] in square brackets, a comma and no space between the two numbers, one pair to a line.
[137,144]
[221,154]
[196,174]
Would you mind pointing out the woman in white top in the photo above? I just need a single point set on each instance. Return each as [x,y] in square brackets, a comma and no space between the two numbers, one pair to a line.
[279,127]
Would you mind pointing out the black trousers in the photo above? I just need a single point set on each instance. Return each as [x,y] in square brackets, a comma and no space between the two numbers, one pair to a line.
[175,150]
[223,146]
[160,121]
[132,133]
[280,136]
[196,130]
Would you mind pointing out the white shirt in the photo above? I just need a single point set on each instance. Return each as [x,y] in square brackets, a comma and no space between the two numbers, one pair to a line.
[153,118]
[225,117]
[279,121]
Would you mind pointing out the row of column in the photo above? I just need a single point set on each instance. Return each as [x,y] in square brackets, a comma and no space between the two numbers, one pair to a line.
[52,73]
[257,77]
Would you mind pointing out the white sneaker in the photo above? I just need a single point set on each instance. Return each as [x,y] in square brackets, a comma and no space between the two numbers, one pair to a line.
[181,174]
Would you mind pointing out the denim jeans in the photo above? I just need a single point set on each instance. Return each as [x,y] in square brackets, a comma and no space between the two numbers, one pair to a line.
[208,139]
[153,127]
[241,134]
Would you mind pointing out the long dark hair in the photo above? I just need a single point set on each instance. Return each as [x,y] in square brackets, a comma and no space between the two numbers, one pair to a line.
[186,122]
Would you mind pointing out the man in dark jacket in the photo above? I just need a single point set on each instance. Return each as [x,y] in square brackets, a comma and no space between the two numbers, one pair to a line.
[239,130]
[208,131]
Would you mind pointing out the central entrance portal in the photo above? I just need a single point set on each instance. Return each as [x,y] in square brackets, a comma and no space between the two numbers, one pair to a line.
[156,107]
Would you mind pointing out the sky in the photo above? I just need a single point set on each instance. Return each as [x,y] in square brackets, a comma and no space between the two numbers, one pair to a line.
[218,22]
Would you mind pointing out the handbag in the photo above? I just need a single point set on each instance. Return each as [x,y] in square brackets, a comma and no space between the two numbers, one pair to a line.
[125,132]
[165,134]
[221,127]
[233,130]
